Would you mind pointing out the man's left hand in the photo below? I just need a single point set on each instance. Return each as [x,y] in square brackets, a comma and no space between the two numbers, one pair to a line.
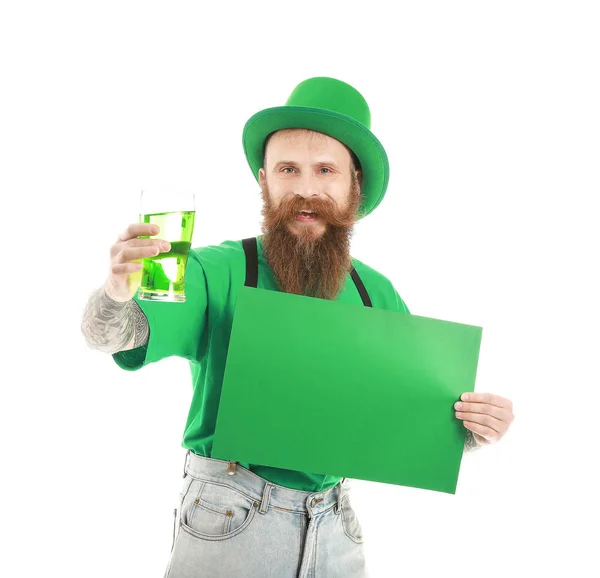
[488,416]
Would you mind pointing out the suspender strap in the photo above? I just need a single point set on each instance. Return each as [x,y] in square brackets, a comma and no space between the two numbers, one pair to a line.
[251,251]
[361,288]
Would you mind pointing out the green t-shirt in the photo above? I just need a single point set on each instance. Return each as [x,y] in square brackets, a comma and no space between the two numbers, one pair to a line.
[199,330]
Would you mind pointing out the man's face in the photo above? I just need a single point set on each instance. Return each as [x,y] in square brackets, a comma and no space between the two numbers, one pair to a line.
[307,171]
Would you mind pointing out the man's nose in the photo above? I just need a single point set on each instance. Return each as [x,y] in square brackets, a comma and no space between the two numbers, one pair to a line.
[308,188]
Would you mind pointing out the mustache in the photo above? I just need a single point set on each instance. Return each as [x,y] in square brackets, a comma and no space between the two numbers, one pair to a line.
[325,208]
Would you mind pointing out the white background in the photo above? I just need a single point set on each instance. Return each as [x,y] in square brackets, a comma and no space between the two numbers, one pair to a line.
[489,114]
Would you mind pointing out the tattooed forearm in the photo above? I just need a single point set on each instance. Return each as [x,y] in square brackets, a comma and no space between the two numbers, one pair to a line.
[111,326]
[470,442]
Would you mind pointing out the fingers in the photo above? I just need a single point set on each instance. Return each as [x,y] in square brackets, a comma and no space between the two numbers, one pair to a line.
[491,423]
[488,398]
[499,413]
[120,246]
[127,259]
[485,414]
[489,434]
[148,243]
[128,253]
[488,404]
[137,230]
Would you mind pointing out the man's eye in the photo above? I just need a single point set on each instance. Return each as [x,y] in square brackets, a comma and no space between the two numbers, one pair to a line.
[286,169]
[325,169]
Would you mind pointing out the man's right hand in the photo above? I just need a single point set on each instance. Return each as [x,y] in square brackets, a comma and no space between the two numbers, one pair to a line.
[124,275]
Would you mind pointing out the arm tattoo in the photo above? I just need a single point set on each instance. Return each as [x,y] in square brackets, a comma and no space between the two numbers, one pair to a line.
[470,442]
[109,325]
[140,325]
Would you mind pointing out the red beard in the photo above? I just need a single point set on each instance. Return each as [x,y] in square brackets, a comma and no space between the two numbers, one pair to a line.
[308,263]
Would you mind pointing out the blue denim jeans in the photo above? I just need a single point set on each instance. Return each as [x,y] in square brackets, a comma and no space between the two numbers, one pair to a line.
[235,523]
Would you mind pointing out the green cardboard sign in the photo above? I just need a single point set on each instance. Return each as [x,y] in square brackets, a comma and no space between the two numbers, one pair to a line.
[332,388]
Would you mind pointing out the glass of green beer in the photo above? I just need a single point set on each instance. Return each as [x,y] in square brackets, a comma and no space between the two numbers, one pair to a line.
[173,210]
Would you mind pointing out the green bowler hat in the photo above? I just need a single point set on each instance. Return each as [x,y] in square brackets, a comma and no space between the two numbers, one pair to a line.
[336,109]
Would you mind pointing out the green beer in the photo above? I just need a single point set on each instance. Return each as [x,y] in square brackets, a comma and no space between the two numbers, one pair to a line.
[163,276]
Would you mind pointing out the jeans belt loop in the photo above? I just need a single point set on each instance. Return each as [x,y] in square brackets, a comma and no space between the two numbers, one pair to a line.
[338,507]
[266,498]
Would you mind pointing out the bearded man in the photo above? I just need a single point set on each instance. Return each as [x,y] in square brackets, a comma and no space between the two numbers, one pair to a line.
[320,170]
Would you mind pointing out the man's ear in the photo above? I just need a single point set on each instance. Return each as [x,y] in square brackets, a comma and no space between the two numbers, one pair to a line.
[262,178]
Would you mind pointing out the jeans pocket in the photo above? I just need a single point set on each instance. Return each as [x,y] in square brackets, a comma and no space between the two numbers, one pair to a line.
[215,511]
[350,523]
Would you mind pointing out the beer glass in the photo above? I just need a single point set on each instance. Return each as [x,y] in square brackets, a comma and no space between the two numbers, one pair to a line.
[173,210]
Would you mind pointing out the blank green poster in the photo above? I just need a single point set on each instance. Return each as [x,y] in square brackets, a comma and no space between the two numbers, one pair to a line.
[345,390]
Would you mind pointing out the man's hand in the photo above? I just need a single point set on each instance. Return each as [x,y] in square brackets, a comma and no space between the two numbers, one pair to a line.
[124,275]
[488,416]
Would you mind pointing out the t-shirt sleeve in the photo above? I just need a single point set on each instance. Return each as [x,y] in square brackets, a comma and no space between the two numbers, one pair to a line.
[176,329]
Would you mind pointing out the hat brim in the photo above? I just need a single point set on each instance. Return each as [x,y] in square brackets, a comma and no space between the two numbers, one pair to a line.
[363,143]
